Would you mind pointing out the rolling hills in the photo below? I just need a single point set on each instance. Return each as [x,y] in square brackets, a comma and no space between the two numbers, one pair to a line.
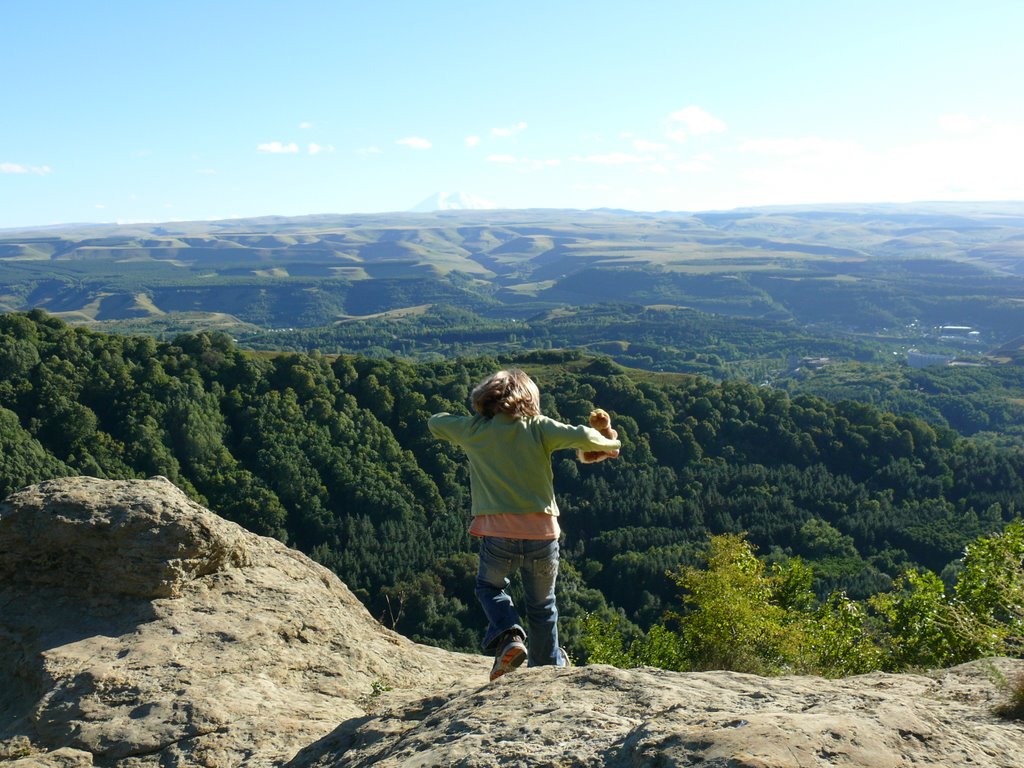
[861,268]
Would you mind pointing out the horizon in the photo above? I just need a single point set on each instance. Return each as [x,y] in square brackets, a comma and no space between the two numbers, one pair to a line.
[155,114]
[989,207]
[832,207]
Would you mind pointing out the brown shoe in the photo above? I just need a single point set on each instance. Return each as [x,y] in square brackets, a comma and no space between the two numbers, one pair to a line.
[511,654]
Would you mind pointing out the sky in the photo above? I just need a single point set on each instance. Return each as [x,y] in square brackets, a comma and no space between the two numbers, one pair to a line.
[171,111]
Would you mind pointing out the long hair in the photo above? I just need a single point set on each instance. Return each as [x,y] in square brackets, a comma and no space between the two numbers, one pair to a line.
[511,392]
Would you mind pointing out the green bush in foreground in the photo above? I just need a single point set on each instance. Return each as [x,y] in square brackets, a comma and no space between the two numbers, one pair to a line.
[741,615]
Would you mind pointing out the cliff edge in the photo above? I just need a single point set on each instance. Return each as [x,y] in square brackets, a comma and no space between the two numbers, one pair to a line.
[139,629]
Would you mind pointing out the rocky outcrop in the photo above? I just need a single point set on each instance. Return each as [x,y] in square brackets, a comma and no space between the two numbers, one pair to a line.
[602,716]
[138,629]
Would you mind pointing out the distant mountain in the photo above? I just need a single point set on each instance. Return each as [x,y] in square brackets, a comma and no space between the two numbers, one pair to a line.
[863,269]
[452,201]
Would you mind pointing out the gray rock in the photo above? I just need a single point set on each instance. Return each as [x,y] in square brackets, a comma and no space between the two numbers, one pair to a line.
[142,629]
[58,758]
[129,538]
[601,716]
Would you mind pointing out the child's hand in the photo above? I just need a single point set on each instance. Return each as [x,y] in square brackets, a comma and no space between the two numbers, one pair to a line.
[592,457]
[596,456]
[614,436]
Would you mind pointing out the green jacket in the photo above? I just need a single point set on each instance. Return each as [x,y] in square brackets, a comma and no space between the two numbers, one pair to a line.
[510,458]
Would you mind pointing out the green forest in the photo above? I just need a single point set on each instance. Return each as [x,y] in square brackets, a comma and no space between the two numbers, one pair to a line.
[660,339]
[982,397]
[331,454]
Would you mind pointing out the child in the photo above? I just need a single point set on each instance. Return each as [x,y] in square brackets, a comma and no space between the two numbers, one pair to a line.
[509,445]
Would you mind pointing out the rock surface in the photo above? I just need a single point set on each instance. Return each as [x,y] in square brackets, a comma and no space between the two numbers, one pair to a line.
[138,629]
[602,716]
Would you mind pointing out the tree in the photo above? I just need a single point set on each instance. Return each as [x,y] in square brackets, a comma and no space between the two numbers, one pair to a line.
[732,617]
[990,585]
[23,460]
[922,629]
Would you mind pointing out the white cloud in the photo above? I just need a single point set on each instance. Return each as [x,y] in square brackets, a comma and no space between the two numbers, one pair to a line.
[525,162]
[415,142]
[812,169]
[38,170]
[316,149]
[960,123]
[973,158]
[697,164]
[642,145]
[512,130]
[615,158]
[956,156]
[986,163]
[305,126]
[203,171]
[803,146]
[692,121]
[277,148]
[472,141]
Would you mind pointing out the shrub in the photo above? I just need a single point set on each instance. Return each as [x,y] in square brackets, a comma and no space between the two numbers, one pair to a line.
[839,642]
[734,620]
[605,643]
[990,586]
[739,615]
[1013,707]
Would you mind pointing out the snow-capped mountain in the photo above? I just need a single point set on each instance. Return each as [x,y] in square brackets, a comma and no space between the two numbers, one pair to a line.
[452,201]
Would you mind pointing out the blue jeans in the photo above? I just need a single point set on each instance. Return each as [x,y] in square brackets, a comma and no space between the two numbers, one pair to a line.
[537,561]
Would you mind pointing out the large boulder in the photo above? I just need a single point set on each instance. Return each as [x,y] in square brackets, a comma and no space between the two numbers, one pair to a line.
[141,629]
[132,539]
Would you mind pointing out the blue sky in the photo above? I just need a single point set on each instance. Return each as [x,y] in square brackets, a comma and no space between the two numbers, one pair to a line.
[156,111]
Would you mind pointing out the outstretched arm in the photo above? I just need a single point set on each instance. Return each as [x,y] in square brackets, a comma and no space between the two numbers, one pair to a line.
[582,437]
[592,457]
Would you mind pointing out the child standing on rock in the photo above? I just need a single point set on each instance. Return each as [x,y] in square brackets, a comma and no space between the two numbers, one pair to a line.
[509,446]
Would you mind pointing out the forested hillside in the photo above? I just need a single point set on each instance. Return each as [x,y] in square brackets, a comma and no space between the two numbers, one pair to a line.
[662,338]
[986,401]
[332,455]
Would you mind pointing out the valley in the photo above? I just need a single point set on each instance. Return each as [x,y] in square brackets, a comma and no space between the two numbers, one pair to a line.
[881,272]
